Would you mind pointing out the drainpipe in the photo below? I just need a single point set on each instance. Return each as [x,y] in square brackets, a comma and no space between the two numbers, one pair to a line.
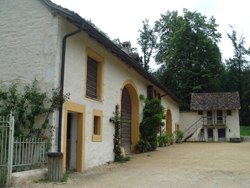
[62,75]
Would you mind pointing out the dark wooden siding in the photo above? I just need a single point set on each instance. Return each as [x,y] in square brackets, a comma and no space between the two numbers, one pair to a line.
[126,120]
[91,88]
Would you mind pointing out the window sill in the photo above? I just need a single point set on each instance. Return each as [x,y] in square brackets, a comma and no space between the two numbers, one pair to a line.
[96,138]
[94,99]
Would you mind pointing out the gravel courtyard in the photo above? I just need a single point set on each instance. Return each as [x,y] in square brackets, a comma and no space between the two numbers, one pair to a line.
[179,165]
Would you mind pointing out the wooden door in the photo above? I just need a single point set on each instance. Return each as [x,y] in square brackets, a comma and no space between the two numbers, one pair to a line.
[219,117]
[68,141]
[209,117]
[210,134]
[126,120]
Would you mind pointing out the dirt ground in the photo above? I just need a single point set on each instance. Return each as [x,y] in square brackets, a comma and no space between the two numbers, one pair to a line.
[180,165]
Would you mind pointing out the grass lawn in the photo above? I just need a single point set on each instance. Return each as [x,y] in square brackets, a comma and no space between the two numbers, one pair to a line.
[244,131]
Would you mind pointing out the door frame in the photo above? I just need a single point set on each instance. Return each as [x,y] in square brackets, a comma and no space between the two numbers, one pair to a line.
[135,113]
[80,157]
[169,126]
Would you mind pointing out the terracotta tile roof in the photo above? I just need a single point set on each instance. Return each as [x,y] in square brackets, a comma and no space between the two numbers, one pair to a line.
[215,101]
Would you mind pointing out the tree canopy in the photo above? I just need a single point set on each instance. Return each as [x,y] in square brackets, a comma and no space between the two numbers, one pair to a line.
[237,74]
[147,42]
[188,53]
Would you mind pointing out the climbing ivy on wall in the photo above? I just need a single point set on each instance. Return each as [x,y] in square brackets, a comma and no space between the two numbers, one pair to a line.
[153,113]
[117,137]
[27,106]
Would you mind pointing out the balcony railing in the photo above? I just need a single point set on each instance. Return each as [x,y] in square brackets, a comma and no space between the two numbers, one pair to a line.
[214,120]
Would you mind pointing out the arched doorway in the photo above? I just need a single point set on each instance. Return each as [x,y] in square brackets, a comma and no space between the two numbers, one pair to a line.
[126,120]
[169,121]
[132,128]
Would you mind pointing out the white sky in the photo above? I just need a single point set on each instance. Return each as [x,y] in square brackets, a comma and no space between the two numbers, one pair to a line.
[123,19]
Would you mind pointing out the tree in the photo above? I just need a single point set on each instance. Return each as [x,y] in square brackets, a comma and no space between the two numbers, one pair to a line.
[97,28]
[238,74]
[117,42]
[147,42]
[188,54]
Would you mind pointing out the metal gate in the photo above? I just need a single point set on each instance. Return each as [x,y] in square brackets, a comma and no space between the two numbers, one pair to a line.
[6,147]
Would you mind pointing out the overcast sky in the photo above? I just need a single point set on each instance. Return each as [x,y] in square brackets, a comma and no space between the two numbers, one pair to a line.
[123,19]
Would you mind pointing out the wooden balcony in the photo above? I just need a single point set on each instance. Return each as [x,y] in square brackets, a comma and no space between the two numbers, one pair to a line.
[214,120]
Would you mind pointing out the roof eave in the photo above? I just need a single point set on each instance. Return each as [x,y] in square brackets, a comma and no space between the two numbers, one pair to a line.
[75,19]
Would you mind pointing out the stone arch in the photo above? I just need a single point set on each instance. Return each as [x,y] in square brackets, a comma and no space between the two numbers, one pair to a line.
[135,112]
[169,121]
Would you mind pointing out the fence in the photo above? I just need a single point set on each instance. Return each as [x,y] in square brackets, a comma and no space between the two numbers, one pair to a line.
[28,153]
[19,153]
[6,146]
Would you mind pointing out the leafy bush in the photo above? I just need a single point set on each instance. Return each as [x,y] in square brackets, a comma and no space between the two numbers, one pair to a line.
[178,135]
[153,113]
[143,145]
[29,105]
[163,138]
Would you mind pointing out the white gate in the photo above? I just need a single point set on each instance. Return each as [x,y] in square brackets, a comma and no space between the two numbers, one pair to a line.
[6,148]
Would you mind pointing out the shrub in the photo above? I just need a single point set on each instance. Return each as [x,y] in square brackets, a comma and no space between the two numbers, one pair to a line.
[178,135]
[163,138]
[153,113]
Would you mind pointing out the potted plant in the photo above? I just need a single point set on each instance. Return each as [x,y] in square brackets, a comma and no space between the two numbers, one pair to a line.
[179,136]
[161,140]
[171,138]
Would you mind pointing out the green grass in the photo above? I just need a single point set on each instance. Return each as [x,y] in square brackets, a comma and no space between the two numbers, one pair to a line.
[65,177]
[242,139]
[43,180]
[244,130]
[123,159]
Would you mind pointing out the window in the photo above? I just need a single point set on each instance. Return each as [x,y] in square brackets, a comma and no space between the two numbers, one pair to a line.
[229,112]
[91,87]
[159,96]
[150,91]
[94,76]
[200,112]
[97,126]
[177,126]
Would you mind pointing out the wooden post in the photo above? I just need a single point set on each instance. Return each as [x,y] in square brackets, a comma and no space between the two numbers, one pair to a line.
[55,166]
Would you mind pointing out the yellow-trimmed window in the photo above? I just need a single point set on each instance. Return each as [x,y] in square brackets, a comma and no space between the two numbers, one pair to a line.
[97,126]
[94,75]
[177,126]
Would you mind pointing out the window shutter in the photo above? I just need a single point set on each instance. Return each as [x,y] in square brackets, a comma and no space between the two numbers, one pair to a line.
[159,96]
[91,87]
[151,91]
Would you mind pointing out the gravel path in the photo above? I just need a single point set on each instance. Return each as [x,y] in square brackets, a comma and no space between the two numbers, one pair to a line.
[181,165]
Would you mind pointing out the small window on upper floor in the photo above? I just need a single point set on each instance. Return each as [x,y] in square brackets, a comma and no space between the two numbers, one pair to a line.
[94,76]
[229,112]
[91,87]
[200,112]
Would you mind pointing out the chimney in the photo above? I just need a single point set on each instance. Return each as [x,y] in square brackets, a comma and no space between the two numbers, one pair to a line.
[126,47]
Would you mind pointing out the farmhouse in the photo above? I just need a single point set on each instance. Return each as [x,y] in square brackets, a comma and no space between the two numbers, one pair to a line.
[213,117]
[42,40]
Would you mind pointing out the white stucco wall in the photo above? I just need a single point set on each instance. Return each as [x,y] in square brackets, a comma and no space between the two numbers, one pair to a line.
[187,119]
[115,74]
[233,123]
[29,46]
